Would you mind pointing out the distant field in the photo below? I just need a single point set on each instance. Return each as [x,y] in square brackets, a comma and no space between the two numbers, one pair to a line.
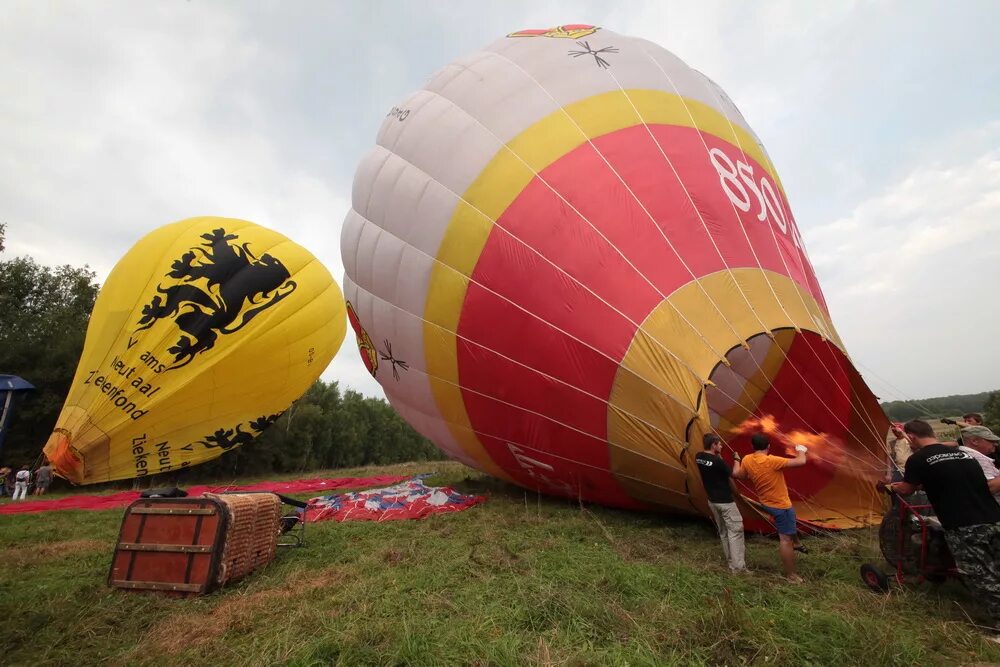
[520,580]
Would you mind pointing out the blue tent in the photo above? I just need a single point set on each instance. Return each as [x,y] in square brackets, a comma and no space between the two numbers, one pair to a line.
[10,386]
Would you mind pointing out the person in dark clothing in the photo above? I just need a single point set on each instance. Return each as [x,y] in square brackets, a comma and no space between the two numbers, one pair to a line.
[963,502]
[715,474]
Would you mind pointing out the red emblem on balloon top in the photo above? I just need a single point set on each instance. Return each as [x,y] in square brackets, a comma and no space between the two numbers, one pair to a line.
[570,31]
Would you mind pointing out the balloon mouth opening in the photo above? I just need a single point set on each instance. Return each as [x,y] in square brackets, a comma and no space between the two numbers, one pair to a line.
[64,460]
[798,388]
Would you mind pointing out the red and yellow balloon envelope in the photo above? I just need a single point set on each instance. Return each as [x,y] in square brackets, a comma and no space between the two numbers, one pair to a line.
[575,258]
[202,335]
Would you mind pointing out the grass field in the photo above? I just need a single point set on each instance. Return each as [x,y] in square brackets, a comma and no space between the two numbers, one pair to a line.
[519,580]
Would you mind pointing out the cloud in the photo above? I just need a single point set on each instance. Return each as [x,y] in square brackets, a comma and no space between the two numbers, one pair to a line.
[910,275]
[122,116]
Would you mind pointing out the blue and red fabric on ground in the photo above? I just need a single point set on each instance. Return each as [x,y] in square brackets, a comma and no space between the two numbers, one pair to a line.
[411,499]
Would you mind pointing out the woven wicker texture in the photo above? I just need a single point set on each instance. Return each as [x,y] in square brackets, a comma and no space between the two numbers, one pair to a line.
[252,534]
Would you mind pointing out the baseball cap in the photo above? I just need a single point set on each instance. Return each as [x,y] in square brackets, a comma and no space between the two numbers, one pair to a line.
[979,432]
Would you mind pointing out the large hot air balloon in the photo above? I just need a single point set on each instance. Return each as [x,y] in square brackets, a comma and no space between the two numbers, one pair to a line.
[569,257]
[202,335]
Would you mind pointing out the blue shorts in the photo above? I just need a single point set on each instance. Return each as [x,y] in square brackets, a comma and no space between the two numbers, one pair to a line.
[784,519]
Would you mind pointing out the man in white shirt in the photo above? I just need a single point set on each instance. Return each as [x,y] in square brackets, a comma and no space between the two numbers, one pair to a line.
[981,444]
[21,481]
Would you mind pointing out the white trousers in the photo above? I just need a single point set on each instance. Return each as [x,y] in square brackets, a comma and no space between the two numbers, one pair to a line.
[729,521]
[20,488]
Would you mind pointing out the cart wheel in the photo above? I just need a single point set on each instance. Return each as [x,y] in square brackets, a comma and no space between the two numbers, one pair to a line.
[874,579]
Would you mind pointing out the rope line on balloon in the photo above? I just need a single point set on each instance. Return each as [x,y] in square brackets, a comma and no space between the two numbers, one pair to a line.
[528,447]
[744,485]
[798,256]
[898,393]
[745,235]
[753,251]
[389,303]
[870,425]
[571,276]
[610,244]
[670,436]
[496,224]
[680,402]
[541,255]
[552,326]
[223,419]
[597,231]
[870,529]
[878,438]
[663,235]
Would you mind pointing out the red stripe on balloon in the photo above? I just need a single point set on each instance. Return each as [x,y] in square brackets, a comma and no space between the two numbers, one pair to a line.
[629,270]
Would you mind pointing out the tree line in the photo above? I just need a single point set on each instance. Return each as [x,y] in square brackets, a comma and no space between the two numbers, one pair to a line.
[43,321]
[986,403]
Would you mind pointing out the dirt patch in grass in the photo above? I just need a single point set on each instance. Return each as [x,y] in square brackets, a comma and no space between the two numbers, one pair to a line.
[182,631]
[22,556]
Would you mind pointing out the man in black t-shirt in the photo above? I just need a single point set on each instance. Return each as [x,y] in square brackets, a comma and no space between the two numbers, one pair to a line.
[715,476]
[963,501]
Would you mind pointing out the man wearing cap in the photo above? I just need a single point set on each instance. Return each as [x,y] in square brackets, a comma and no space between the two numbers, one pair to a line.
[963,502]
[765,473]
[715,474]
[980,443]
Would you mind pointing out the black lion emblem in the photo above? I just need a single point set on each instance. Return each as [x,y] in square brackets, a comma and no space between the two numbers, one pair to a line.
[222,286]
[228,438]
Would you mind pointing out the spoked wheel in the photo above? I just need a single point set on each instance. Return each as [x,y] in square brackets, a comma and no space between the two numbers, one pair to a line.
[874,578]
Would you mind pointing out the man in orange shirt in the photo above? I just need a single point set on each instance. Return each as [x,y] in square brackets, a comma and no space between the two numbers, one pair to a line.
[765,473]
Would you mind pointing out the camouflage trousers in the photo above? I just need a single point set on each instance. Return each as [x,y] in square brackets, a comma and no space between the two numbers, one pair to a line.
[977,553]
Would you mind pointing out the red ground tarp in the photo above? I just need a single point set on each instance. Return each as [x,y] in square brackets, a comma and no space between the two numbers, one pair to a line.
[123,498]
[411,499]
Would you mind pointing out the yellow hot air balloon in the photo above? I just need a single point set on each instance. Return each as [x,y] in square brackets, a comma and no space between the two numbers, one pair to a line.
[203,334]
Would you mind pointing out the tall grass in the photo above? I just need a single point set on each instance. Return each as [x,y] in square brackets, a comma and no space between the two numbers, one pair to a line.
[520,580]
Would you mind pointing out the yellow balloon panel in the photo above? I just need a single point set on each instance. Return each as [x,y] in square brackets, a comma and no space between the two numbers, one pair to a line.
[203,334]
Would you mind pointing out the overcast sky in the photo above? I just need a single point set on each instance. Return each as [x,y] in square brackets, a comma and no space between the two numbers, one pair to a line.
[883,119]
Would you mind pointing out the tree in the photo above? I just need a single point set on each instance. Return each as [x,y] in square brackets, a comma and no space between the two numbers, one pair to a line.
[324,429]
[43,319]
[991,411]
[941,406]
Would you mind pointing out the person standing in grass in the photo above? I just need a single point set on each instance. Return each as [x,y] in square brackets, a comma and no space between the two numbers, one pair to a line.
[765,473]
[43,478]
[21,482]
[715,474]
[963,502]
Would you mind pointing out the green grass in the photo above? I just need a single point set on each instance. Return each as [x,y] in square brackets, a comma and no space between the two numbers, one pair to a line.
[519,580]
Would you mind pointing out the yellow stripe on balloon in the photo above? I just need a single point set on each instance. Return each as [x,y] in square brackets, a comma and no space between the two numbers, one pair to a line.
[671,356]
[499,184]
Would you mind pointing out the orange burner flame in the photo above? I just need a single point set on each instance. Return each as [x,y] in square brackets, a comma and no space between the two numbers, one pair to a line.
[823,447]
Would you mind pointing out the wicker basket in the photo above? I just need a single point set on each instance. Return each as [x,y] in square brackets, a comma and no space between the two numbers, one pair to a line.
[191,546]
[251,535]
